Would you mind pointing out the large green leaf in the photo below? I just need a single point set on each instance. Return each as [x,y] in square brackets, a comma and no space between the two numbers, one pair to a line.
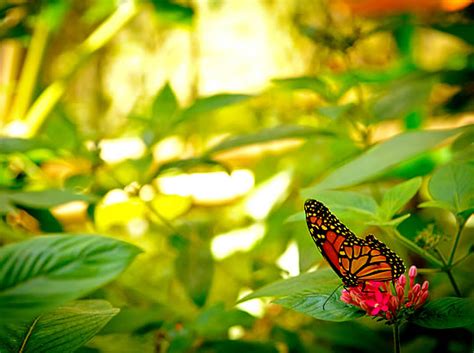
[13,144]
[208,104]
[268,135]
[382,157]
[321,306]
[446,313]
[62,330]
[215,321]
[395,198]
[46,198]
[41,273]
[451,186]
[402,98]
[321,281]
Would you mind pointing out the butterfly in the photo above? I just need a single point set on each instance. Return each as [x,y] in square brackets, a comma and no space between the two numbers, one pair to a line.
[355,260]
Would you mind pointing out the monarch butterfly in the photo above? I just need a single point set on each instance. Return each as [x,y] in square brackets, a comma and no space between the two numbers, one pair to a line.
[355,260]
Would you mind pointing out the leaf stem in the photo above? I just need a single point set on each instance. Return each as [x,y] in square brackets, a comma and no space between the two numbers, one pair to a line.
[461,222]
[396,338]
[28,335]
[453,282]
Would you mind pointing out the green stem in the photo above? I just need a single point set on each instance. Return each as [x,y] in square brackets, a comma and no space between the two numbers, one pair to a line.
[453,283]
[396,338]
[41,108]
[447,268]
[461,222]
[29,74]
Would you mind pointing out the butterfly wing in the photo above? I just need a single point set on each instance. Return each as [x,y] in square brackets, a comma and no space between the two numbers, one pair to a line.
[355,260]
[327,232]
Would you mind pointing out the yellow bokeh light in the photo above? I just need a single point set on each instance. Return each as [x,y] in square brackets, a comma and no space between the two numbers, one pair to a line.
[208,188]
[121,149]
[269,193]
[289,261]
[243,239]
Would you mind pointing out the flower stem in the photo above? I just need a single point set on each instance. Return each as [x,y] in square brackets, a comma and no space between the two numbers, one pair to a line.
[396,338]
[453,283]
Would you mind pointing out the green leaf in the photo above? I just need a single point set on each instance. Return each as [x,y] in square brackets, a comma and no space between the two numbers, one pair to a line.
[41,273]
[452,185]
[314,84]
[216,320]
[344,200]
[164,108]
[395,198]
[237,346]
[189,163]
[62,330]
[208,104]
[46,198]
[402,98]
[321,281]
[12,145]
[312,305]
[173,13]
[269,135]
[136,319]
[465,31]
[446,313]
[382,157]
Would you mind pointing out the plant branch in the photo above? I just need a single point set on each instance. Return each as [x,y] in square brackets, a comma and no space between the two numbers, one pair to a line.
[461,223]
[29,73]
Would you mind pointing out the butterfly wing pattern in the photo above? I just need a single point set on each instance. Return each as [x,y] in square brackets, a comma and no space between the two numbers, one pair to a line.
[353,259]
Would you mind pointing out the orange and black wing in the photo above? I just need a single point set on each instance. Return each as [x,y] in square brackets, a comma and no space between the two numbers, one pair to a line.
[355,260]
[327,232]
[368,259]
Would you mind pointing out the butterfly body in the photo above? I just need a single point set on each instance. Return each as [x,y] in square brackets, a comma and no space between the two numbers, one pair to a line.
[354,259]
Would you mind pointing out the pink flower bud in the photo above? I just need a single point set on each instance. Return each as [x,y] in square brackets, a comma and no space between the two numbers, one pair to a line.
[402,280]
[412,272]
[393,303]
[423,298]
[425,286]
[400,292]
[416,289]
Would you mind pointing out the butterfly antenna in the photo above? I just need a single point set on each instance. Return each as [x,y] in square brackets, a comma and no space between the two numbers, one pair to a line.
[334,291]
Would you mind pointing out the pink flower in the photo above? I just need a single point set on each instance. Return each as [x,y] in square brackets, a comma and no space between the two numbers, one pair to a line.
[377,298]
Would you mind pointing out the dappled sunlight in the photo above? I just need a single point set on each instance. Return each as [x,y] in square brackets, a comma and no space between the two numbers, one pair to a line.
[208,188]
[289,261]
[163,161]
[244,239]
[255,307]
[118,150]
[267,195]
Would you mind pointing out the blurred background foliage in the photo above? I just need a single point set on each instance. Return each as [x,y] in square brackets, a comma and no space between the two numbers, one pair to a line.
[196,129]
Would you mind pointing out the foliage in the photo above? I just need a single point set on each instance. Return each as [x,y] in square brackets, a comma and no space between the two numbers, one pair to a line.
[151,195]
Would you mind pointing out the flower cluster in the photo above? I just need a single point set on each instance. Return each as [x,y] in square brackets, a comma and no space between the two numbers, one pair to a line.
[377,299]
